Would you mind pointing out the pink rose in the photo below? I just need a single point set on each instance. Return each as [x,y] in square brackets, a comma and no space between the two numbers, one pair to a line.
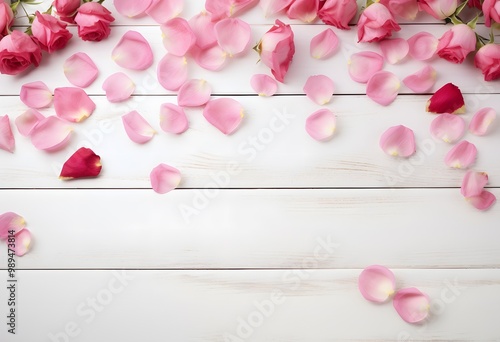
[17,52]
[457,43]
[376,23]
[66,9]
[50,33]
[277,48]
[491,10]
[6,19]
[474,3]
[338,13]
[93,21]
[488,60]
[439,9]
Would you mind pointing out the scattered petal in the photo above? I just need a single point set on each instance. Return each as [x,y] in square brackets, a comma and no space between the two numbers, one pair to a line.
[483,201]
[482,121]
[423,46]
[178,37]
[398,141]
[36,95]
[118,87]
[376,283]
[363,65]
[164,178]
[137,128]
[264,85]
[83,163]
[194,93]
[221,9]
[473,183]
[132,8]
[163,10]
[72,104]
[133,52]
[421,81]
[23,242]
[80,70]
[51,134]
[233,36]
[303,10]
[383,87]
[172,72]
[324,44]
[462,155]
[213,58]
[173,119]
[225,114]
[448,127]
[10,221]
[412,305]
[27,121]
[447,99]
[7,141]
[271,7]
[319,89]
[203,28]
[321,125]
[394,50]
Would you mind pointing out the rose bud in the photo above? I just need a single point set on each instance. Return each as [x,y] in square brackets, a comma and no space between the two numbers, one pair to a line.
[93,21]
[376,23]
[457,43]
[83,163]
[6,19]
[66,9]
[338,13]
[17,52]
[50,33]
[447,99]
[491,10]
[439,9]
[488,60]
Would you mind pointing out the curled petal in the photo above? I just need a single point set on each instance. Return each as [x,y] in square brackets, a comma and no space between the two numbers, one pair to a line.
[321,125]
[483,201]
[319,89]
[51,134]
[462,155]
[178,37]
[412,305]
[23,242]
[172,72]
[173,119]
[324,44]
[383,87]
[80,70]
[72,104]
[36,95]
[398,141]
[213,58]
[221,9]
[394,50]
[132,8]
[118,87]
[203,28]
[271,7]
[137,128]
[233,35]
[482,120]
[473,183]
[163,10]
[225,114]
[421,81]
[133,52]
[447,99]
[10,221]
[448,127]
[376,283]
[303,10]
[363,65]
[83,163]
[194,93]
[27,121]
[164,178]
[423,46]
[264,85]
[7,141]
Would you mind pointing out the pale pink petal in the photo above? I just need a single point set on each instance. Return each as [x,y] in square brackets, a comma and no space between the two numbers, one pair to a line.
[164,178]
[321,125]
[482,120]
[27,121]
[363,65]
[376,283]
[383,87]
[137,128]
[10,221]
[421,81]
[324,44]
[398,141]
[473,183]
[271,7]
[304,10]
[394,50]
[319,89]
[7,141]
[36,95]
[178,37]
[448,127]
[194,93]
[483,201]
[173,119]
[72,104]
[163,10]
[462,155]
[23,242]
[225,114]
[51,134]
[412,305]
[118,87]
[80,70]
[264,85]
[213,58]
[221,9]
[423,46]
[172,72]
[132,8]
[233,36]
[133,52]
[203,28]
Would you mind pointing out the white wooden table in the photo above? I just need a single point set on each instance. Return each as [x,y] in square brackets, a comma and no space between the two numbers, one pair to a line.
[274,252]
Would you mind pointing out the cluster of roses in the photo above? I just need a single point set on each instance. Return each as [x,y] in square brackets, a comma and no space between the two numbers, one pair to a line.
[19,50]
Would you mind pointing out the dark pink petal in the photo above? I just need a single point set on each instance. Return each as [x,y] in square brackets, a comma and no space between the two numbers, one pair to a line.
[448,127]
[376,283]
[213,58]
[203,28]
[137,128]
[72,104]
[321,125]
[233,36]
[264,85]
[7,141]
[383,87]
[324,44]
[319,89]
[394,50]
[36,95]
[51,134]
[398,141]
[84,163]
[412,305]
[80,70]
[132,8]
[423,46]
[23,242]
[163,10]
[164,178]
[27,121]
[225,114]
[473,183]
[133,52]
[462,155]
[304,10]
[172,72]
[10,221]
[447,99]
[482,120]
[173,119]
[118,87]
[483,201]
[421,81]
[194,93]
[363,65]
[178,37]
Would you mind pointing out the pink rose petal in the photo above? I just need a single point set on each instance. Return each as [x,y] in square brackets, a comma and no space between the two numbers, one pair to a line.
[80,70]
[448,127]
[72,104]
[423,46]
[137,128]
[264,85]
[383,87]
[224,114]
[10,221]
[376,283]
[213,58]
[412,305]
[164,178]
[173,119]
[118,87]
[132,8]
[483,201]
[23,242]
[303,10]
[51,134]
[178,37]
[271,7]
[7,141]
[233,36]
[319,89]
[221,9]
[133,52]
[462,155]
[363,65]
[36,95]
[473,183]
[194,93]
[321,125]
[398,141]
[172,72]
[482,120]
[394,50]
[421,81]
[27,121]
[203,28]
[163,10]
[324,44]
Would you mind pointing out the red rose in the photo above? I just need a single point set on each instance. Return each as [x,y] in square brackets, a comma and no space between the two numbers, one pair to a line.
[17,52]
[6,19]
[376,23]
[457,43]
[488,60]
[338,13]
[93,21]
[50,33]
